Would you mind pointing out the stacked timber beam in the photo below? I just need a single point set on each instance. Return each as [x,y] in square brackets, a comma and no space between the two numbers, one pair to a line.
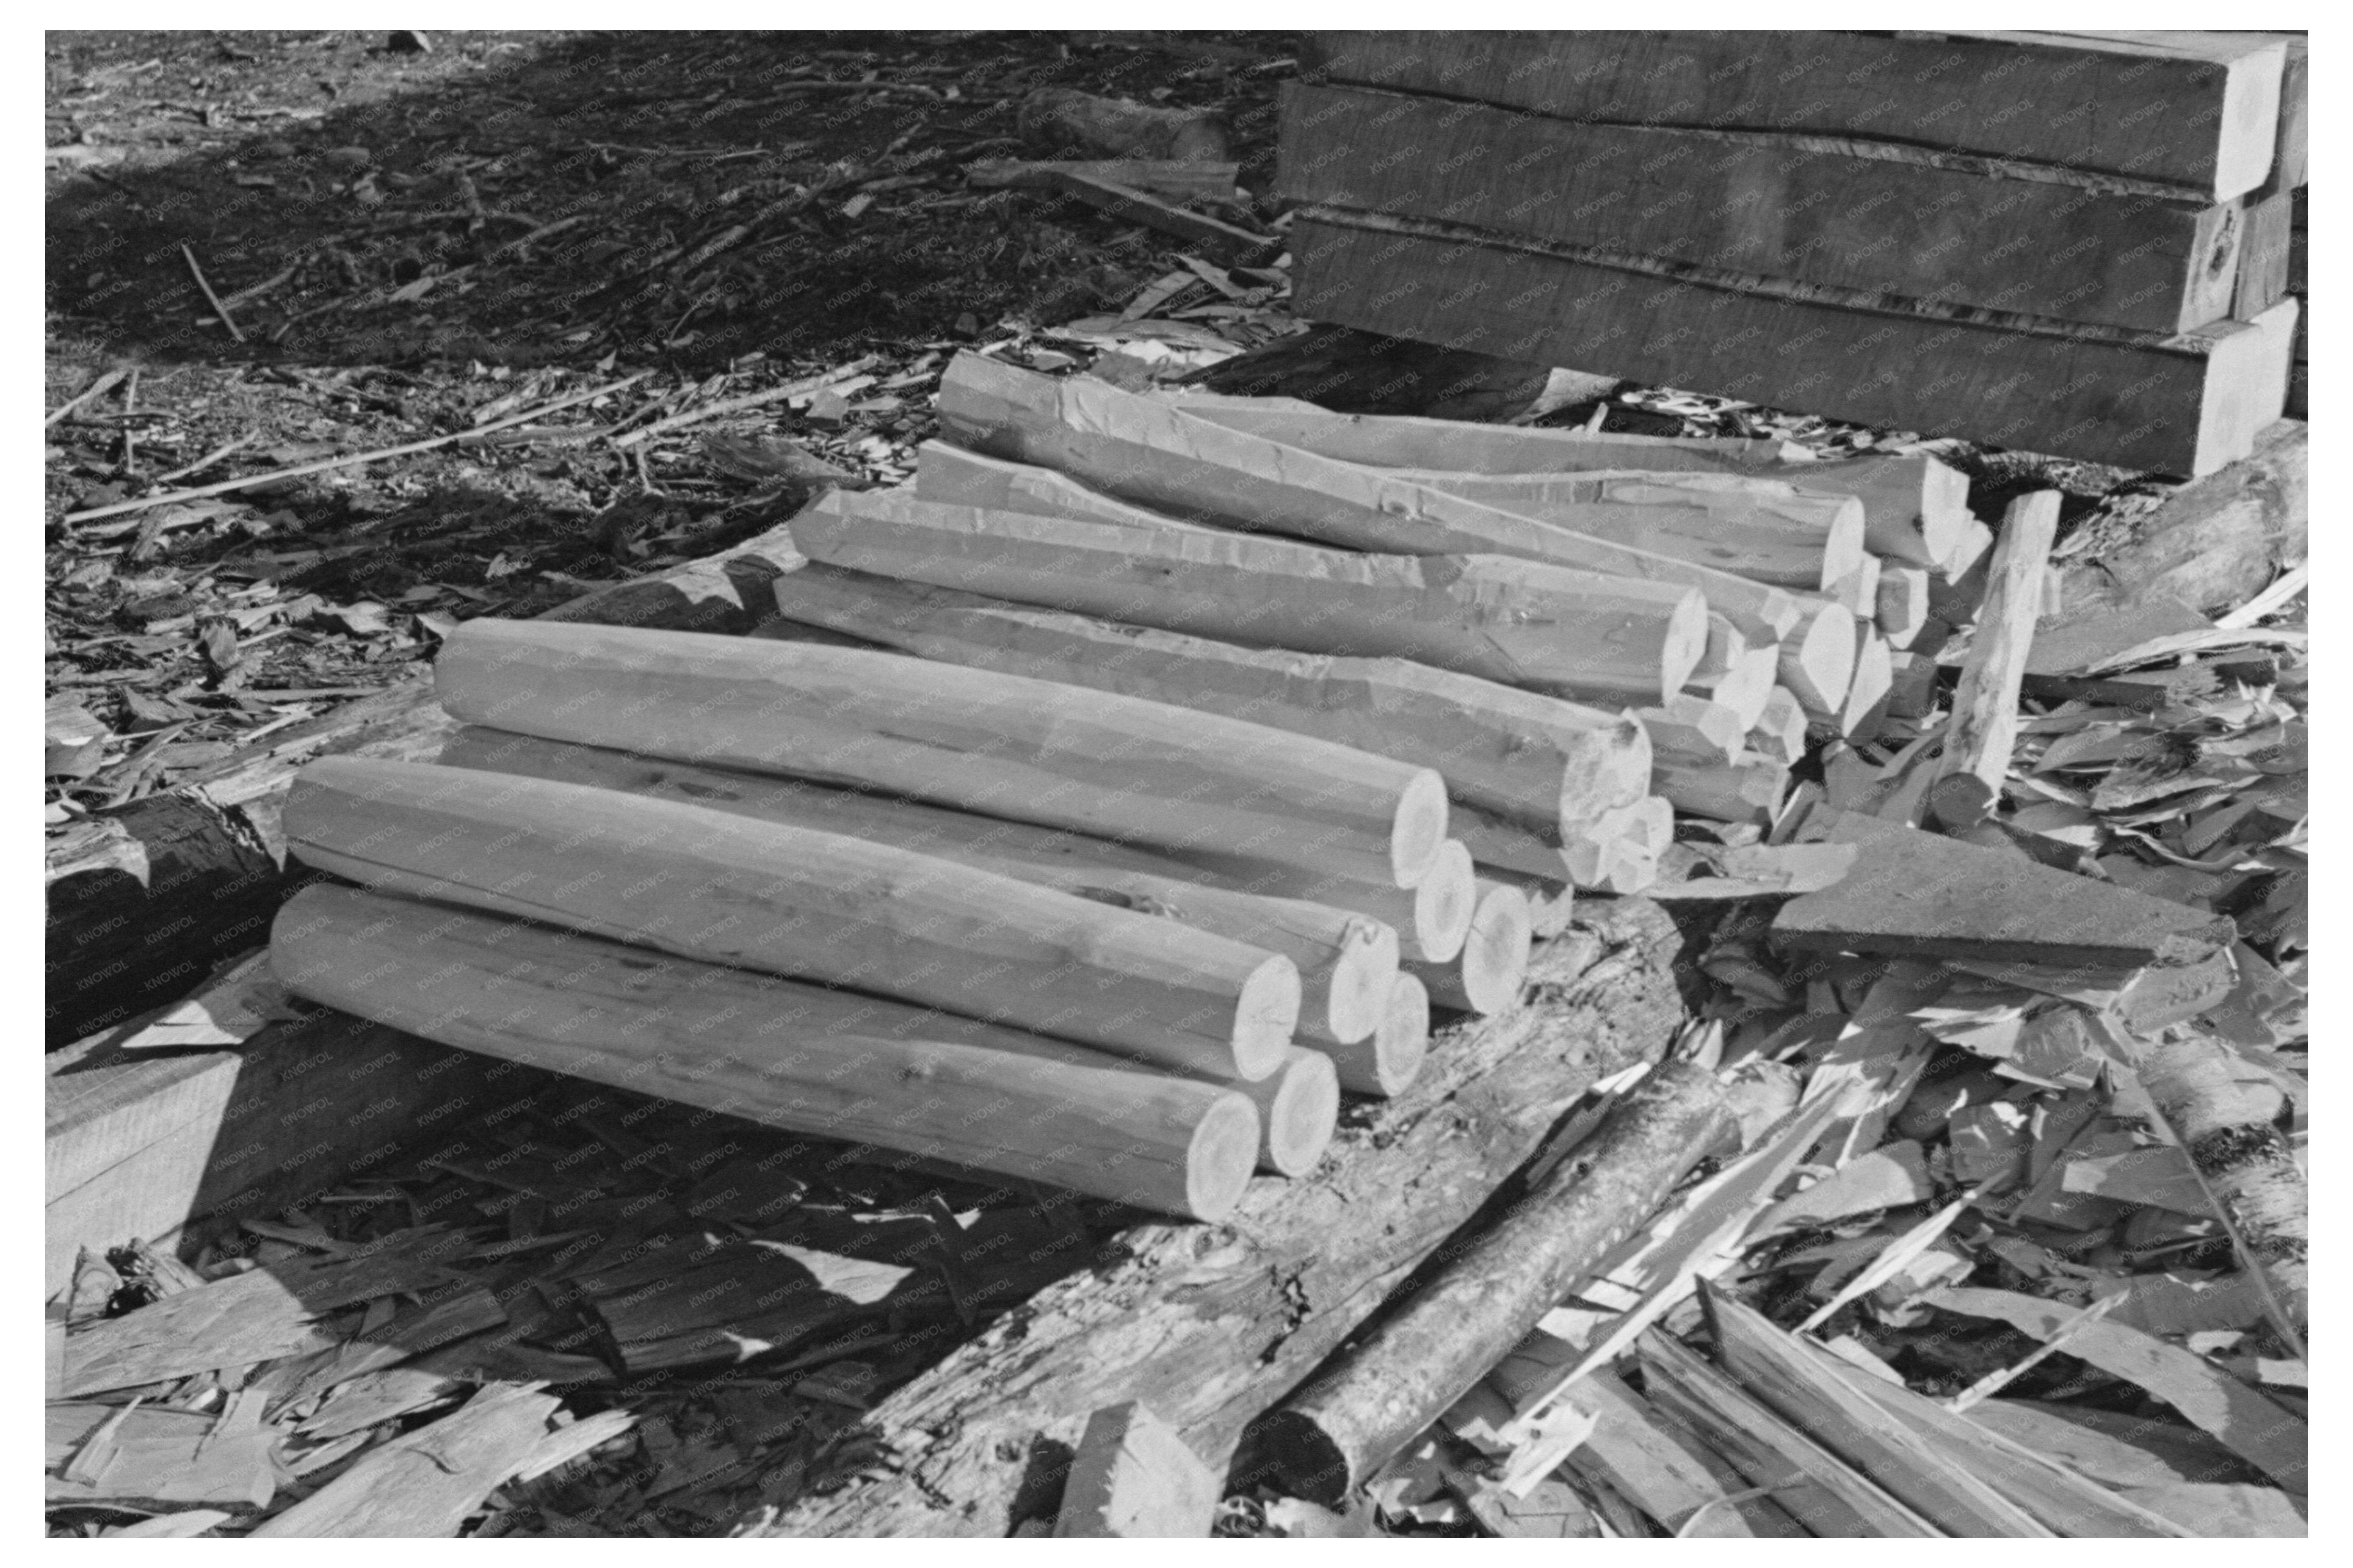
[2069,242]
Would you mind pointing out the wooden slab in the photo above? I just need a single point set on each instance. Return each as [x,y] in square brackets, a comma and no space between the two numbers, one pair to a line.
[1133,1478]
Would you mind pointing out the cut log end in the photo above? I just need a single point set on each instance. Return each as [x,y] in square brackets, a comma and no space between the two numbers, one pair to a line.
[1867,693]
[1900,608]
[1222,1155]
[1311,1465]
[1387,1064]
[1299,1109]
[1817,661]
[1613,769]
[1419,829]
[1265,1017]
[1357,990]
[1444,904]
[1842,547]
[1746,685]
[1685,643]
[1494,960]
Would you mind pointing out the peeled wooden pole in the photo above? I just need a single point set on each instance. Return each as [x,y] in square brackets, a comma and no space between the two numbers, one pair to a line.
[1527,624]
[1747,686]
[829,1064]
[1486,976]
[1386,1065]
[1148,450]
[1345,959]
[1298,1111]
[724,889]
[1479,1296]
[1746,790]
[1010,746]
[1535,758]
[1984,726]
[953,476]
[1818,658]
[1694,728]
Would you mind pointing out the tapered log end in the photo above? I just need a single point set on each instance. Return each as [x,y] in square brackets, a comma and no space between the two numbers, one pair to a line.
[1220,1158]
[1419,828]
[1356,991]
[1444,904]
[1495,957]
[1818,663]
[1266,1015]
[1686,641]
[1302,1115]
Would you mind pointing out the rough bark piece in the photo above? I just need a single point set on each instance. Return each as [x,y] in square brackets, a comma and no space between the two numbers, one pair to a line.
[1209,1326]
[1983,730]
[1133,1478]
[831,1063]
[719,889]
[1490,1288]
[425,1482]
[1917,894]
[1499,618]
[1535,758]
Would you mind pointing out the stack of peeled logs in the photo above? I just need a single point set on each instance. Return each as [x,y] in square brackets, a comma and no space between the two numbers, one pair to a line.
[1035,930]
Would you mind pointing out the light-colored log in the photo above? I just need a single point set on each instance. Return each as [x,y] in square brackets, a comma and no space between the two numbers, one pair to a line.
[1902,608]
[1486,976]
[1857,588]
[953,476]
[1766,530]
[825,1063]
[1624,847]
[1984,726]
[1746,790]
[1535,758]
[1725,644]
[1552,900]
[1431,919]
[1969,543]
[1345,959]
[1148,450]
[1867,694]
[1004,745]
[1746,686]
[1779,732]
[1817,659]
[1298,1111]
[1523,622]
[1694,729]
[1131,1478]
[1398,1047]
[721,888]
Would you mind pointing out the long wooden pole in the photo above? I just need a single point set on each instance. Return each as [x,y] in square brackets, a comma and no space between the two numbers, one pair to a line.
[1004,745]
[827,1063]
[1486,976]
[710,885]
[1345,960]
[1984,728]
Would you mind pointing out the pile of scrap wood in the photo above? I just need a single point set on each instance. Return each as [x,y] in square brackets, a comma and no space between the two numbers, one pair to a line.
[2069,242]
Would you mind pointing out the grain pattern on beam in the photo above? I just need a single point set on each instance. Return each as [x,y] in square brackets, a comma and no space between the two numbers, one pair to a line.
[1535,758]
[2185,403]
[1207,1327]
[1888,218]
[1147,449]
[1002,745]
[831,1063]
[1525,622]
[2197,110]
[1345,960]
[719,889]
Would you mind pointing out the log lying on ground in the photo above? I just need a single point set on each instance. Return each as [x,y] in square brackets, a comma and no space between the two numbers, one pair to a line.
[1534,758]
[1523,622]
[955,477]
[1210,1327]
[831,1063]
[1617,851]
[1486,976]
[1057,117]
[1298,1110]
[712,886]
[1913,506]
[1487,1290]
[1399,1045]
[1033,750]
[1431,919]
[1148,450]
[1345,960]
[1747,790]
[1983,730]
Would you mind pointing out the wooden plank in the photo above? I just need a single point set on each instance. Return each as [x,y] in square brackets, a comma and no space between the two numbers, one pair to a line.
[425,1482]
[2185,403]
[1983,730]
[1879,218]
[2197,110]
[1133,1478]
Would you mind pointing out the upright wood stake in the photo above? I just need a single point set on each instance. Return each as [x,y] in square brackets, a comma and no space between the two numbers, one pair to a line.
[1984,726]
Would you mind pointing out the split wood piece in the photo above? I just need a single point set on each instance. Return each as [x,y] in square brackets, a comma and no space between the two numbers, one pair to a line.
[1869,692]
[425,1482]
[1887,218]
[1298,1110]
[1804,1478]
[1004,745]
[1969,547]
[831,1063]
[1486,978]
[1694,729]
[1345,960]
[1120,128]
[2196,110]
[1900,608]
[1459,1320]
[1133,1478]
[1779,1371]
[1726,645]
[1536,759]
[1912,686]
[1210,1328]
[1749,789]
[2184,403]
[1766,530]
[2212,545]
[1858,589]
[1665,1471]
[1753,679]
[1779,731]
[1210,236]
[1914,893]
[1984,727]
[1147,449]
[1179,181]
[1500,618]
[800,903]
[1816,661]
[1913,506]
[1617,851]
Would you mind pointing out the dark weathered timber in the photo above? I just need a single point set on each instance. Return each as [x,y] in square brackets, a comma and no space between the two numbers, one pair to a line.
[1890,219]
[1450,1327]
[1210,1325]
